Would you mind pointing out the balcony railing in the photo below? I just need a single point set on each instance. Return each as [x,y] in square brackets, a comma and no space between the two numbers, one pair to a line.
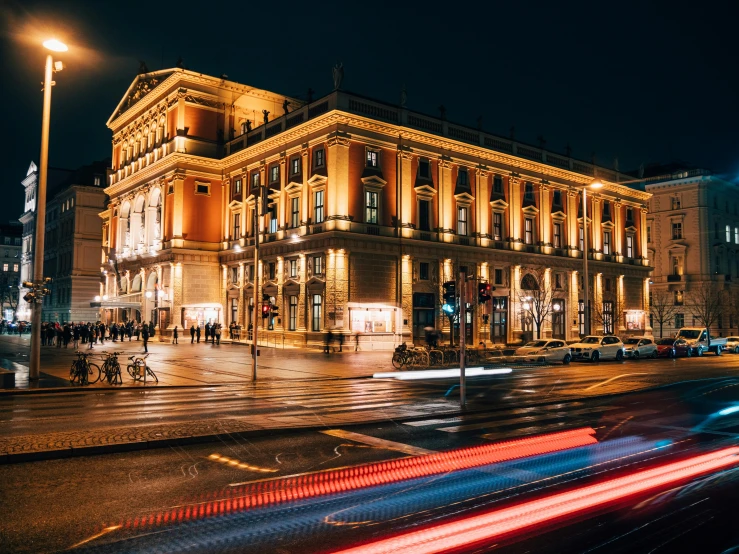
[674,278]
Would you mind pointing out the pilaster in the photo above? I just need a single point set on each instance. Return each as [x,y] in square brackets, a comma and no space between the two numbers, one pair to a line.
[446,190]
[405,158]
[406,301]
[482,182]
[176,294]
[337,289]
[545,214]
[595,218]
[514,210]
[302,300]
[279,299]
[178,203]
[337,186]
[618,230]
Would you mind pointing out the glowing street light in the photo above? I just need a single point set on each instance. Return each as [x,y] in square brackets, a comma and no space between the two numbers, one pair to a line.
[54,45]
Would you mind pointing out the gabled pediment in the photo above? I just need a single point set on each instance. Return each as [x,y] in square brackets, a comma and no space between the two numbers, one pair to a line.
[141,86]
[464,198]
[631,229]
[530,210]
[315,282]
[499,205]
[425,191]
[293,187]
[291,282]
[31,169]
[559,215]
[317,181]
[608,225]
[374,181]
[235,205]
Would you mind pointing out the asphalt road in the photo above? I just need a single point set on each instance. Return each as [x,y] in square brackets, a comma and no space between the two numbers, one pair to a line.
[92,502]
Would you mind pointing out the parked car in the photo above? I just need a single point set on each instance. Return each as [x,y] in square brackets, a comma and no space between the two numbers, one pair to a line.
[700,340]
[594,348]
[640,347]
[671,347]
[732,344]
[551,350]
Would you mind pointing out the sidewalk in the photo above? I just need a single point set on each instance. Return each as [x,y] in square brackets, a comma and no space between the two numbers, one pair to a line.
[186,364]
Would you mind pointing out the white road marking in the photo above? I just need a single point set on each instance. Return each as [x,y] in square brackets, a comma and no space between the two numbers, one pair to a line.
[380,443]
[613,379]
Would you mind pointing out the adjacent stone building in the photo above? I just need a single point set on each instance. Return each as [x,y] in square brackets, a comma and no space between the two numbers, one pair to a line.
[693,240]
[371,208]
[10,259]
[73,236]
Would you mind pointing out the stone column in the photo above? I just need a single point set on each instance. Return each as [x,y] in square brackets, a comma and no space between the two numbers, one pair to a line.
[514,315]
[643,234]
[282,222]
[618,230]
[545,215]
[446,190]
[241,313]
[178,203]
[337,186]
[595,218]
[514,210]
[176,294]
[574,297]
[481,201]
[572,238]
[405,158]
[302,297]
[546,328]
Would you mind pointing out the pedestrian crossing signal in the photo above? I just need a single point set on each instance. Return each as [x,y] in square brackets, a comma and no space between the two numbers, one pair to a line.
[265,310]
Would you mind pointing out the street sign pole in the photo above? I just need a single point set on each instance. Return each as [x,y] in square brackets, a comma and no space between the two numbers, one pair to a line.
[462,333]
[255,317]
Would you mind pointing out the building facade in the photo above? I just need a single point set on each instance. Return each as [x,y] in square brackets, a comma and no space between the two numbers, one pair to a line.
[73,236]
[370,209]
[693,240]
[10,245]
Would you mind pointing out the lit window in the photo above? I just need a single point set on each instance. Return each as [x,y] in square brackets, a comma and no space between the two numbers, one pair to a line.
[237,186]
[274,174]
[528,235]
[273,219]
[497,226]
[294,165]
[372,158]
[677,231]
[318,159]
[607,243]
[294,212]
[318,207]
[316,312]
[462,221]
[736,235]
[370,201]
[558,235]
[97,181]
[317,265]
[15,268]
[679,298]
[237,226]
[293,268]
[254,180]
[629,246]
[728,233]
[293,314]
[5,267]
[675,202]
[582,240]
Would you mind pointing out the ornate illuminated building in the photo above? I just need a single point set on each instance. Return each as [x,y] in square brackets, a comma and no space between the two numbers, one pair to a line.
[371,207]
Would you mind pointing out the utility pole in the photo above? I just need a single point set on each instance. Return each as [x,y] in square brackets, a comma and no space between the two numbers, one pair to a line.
[255,317]
[462,333]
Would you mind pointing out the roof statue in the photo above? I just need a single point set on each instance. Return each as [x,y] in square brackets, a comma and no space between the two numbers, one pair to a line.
[338,72]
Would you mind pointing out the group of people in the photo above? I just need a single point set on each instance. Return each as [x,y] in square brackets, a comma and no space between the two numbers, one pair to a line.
[212,333]
[61,334]
[14,327]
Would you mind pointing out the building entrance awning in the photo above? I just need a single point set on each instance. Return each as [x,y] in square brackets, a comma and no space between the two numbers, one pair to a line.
[115,304]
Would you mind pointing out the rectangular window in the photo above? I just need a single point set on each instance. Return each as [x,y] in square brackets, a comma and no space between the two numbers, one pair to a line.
[293,314]
[606,208]
[318,159]
[558,281]
[736,235]
[96,181]
[528,230]
[676,266]
[295,165]
[170,188]
[237,186]
[728,233]
[424,223]
[274,174]
[254,180]
[629,214]
[370,206]
[15,268]
[316,312]
[293,268]
[273,219]
[679,298]
[318,207]
[237,227]
[557,235]
[582,240]
[18,241]
[498,276]
[373,158]
[462,178]
[679,321]
[317,265]
[607,243]
[629,246]
[528,194]
[271,269]
[424,168]
[250,272]
[423,271]
[649,233]
[607,318]
[675,202]
[497,226]
[498,184]
[5,267]
[235,275]
[462,221]
[202,188]
[294,212]
[716,232]
[557,200]
[607,284]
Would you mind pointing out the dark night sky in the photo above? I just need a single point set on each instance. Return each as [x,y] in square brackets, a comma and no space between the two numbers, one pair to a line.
[642,81]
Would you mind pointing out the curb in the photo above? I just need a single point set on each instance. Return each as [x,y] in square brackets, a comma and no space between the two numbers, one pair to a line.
[68,452]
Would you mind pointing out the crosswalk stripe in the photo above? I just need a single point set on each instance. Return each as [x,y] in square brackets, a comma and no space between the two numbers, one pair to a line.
[381,443]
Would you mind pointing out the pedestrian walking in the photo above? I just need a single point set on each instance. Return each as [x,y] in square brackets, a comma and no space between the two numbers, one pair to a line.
[192,334]
[341,341]
[356,342]
[145,337]
[207,332]
[218,333]
[329,340]
[174,335]
[197,333]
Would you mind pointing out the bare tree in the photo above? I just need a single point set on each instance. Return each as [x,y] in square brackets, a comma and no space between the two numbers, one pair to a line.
[706,303]
[9,298]
[608,313]
[663,308]
[536,295]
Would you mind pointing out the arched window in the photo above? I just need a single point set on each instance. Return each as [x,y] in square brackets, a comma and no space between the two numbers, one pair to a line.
[529,282]
[124,226]
[136,284]
[155,216]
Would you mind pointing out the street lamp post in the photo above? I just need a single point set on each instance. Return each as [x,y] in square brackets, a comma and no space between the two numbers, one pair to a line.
[38,247]
[586,278]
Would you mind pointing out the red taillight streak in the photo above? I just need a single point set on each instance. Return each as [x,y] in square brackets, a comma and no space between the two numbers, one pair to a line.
[493,524]
[276,491]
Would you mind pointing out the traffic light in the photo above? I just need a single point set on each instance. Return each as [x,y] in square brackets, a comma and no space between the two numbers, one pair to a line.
[274,310]
[450,297]
[483,292]
[265,310]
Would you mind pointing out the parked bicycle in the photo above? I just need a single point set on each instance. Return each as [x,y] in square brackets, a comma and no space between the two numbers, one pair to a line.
[83,372]
[138,369]
[111,369]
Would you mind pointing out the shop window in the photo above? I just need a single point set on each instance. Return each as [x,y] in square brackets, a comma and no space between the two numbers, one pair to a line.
[372,320]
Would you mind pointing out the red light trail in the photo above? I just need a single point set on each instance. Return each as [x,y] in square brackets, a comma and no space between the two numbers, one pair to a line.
[507,520]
